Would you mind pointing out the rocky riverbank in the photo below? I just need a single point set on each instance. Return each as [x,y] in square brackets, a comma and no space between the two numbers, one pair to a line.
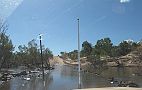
[132,59]
[111,88]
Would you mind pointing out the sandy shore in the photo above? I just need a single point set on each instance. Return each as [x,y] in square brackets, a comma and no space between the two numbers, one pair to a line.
[111,88]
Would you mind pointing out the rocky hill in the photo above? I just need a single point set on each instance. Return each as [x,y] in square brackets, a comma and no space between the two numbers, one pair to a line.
[134,58]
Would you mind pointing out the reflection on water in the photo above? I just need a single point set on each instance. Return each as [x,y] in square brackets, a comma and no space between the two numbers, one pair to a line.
[66,78]
[34,84]
[120,74]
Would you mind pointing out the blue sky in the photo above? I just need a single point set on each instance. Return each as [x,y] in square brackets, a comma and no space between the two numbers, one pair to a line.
[57,21]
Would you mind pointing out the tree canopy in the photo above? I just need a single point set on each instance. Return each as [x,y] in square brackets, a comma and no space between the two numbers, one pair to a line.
[86,49]
[6,46]
[103,48]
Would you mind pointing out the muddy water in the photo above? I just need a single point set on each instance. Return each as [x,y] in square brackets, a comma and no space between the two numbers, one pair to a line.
[66,78]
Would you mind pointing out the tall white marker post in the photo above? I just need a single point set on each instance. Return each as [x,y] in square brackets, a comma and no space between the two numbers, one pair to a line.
[79,79]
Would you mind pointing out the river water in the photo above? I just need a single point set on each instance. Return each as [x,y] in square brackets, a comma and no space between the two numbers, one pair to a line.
[66,78]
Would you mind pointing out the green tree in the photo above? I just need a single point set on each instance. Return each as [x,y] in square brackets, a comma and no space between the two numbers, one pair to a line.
[103,47]
[73,54]
[6,46]
[47,54]
[86,49]
[115,51]
[22,55]
[124,48]
[33,52]
[30,55]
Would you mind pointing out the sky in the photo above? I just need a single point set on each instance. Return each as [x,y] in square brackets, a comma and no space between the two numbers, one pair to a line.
[57,21]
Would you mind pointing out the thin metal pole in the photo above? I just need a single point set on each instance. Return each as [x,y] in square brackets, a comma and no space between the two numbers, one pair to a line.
[79,79]
[41,57]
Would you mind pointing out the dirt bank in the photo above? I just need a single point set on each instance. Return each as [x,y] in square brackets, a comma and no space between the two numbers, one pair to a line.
[112,88]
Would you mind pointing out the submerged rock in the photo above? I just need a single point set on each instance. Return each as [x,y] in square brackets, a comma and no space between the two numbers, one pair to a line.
[127,84]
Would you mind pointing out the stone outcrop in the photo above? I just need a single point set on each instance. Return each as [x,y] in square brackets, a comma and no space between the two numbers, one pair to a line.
[132,59]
